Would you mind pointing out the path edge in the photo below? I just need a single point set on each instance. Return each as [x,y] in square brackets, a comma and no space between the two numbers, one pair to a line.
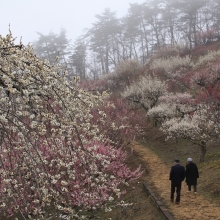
[158,203]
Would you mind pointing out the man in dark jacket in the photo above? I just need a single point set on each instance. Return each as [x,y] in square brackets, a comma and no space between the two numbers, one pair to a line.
[177,175]
[192,174]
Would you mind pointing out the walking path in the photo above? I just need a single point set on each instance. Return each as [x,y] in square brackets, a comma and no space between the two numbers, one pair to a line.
[191,207]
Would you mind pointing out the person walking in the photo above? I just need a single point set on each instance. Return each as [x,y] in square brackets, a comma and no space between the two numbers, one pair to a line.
[177,175]
[192,174]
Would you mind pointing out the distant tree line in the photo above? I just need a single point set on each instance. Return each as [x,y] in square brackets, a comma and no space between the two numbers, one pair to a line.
[147,27]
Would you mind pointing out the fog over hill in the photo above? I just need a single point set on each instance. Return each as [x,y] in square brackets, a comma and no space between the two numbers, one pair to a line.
[26,17]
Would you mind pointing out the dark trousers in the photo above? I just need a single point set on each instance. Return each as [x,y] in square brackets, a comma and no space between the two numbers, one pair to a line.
[175,186]
[194,187]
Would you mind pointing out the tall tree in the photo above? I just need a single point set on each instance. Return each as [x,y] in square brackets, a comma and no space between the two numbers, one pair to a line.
[52,46]
[214,7]
[102,35]
[78,59]
[189,11]
[136,32]
[152,16]
[170,17]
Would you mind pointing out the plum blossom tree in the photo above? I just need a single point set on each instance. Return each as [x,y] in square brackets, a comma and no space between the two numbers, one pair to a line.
[146,91]
[182,117]
[52,155]
[193,115]
[174,69]
[172,64]
[121,123]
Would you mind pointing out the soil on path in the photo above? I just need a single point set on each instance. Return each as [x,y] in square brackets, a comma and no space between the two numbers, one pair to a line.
[191,207]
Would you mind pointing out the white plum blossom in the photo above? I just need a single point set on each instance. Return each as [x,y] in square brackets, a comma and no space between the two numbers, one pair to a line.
[146,91]
[173,65]
[181,117]
[162,110]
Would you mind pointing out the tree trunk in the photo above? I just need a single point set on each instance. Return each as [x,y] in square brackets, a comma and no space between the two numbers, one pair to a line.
[203,151]
[190,35]
[195,31]
[172,40]
[144,33]
[102,63]
[106,60]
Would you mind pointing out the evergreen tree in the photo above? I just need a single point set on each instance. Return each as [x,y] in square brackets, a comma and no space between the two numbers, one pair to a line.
[78,59]
[102,36]
[52,46]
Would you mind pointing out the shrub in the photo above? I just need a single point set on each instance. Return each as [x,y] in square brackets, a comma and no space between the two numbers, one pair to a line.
[146,91]
[172,64]
[210,57]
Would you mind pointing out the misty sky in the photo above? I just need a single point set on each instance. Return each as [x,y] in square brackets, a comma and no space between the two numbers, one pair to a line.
[26,17]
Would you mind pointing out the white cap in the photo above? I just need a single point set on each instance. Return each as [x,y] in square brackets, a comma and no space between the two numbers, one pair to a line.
[189,159]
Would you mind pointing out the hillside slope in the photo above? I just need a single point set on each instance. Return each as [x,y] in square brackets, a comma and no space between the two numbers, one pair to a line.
[191,207]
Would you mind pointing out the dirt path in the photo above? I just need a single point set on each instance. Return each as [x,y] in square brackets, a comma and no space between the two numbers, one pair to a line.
[191,207]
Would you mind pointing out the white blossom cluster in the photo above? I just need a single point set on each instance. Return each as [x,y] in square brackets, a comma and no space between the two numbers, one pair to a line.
[182,118]
[125,66]
[173,64]
[207,76]
[185,128]
[146,91]
[162,110]
[209,58]
[172,106]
